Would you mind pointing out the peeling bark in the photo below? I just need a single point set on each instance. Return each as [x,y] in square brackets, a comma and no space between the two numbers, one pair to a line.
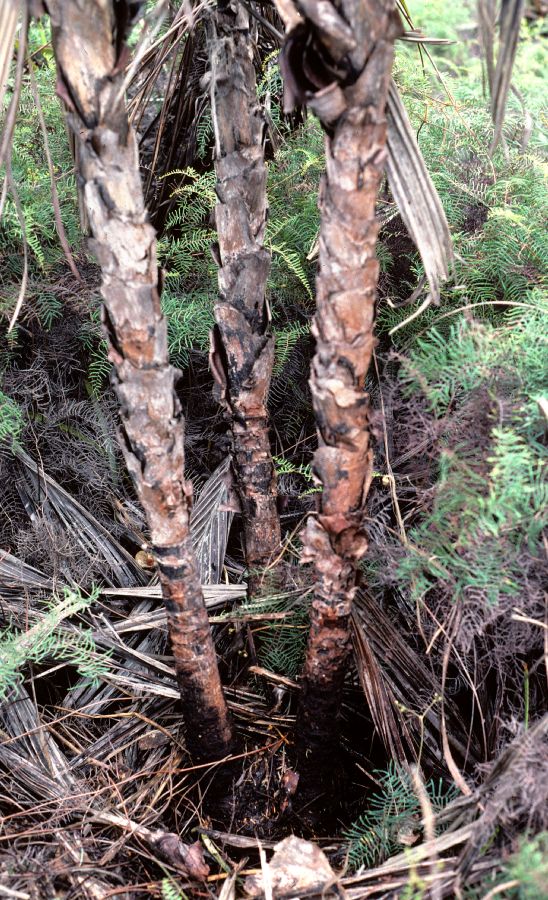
[338,60]
[89,45]
[242,346]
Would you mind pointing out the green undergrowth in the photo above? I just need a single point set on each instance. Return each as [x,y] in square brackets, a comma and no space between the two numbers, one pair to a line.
[32,178]
[281,639]
[527,869]
[496,208]
[47,640]
[392,819]
[524,874]
[11,421]
[490,497]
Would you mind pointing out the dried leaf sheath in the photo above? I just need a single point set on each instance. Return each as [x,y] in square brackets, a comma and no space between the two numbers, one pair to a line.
[88,40]
[338,60]
[242,352]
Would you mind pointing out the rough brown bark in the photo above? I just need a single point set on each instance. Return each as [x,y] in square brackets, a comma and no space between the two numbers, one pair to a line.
[242,352]
[88,40]
[338,60]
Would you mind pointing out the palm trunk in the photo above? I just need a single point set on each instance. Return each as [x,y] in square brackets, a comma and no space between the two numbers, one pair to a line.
[242,344]
[338,60]
[88,40]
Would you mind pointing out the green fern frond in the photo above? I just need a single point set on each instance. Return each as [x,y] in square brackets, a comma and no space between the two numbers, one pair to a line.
[488,505]
[283,642]
[189,322]
[46,640]
[204,133]
[393,812]
[31,175]
[49,308]
[99,368]
[293,263]
[286,339]
[11,421]
[172,891]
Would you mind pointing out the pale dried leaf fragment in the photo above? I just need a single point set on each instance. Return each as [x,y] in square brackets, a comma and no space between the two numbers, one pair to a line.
[296,866]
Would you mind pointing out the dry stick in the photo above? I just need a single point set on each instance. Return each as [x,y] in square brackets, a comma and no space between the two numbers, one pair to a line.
[20,215]
[242,346]
[352,42]
[448,756]
[5,153]
[428,820]
[11,114]
[88,48]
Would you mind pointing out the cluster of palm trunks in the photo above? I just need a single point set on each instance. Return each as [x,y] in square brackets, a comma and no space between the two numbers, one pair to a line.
[336,59]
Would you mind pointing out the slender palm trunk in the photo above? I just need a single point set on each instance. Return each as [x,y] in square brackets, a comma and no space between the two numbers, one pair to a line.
[242,343]
[338,60]
[88,40]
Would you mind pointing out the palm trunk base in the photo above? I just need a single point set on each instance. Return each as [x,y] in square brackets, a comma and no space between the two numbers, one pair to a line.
[328,651]
[208,732]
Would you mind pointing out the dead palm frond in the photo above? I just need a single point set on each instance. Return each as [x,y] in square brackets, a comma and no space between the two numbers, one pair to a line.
[390,672]
[509,14]
[173,67]
[16,575]
[43,494]
[9,18]
[510,21]
[44,781]
[210,522]
[416,196]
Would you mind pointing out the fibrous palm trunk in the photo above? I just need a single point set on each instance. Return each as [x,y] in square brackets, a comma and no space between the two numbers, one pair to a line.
[242,352]
[88,40]
[338,59]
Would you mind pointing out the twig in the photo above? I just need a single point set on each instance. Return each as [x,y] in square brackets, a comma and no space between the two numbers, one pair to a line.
[390,473]
[429,828]
[505,886]
[277,679]
[449,759]
[424,306]
[9,892]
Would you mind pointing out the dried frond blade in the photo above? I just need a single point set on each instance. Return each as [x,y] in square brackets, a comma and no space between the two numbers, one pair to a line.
[93,537]
[8,43]
[376,693]
[215,595]
[510,22]
[210,524]
[16,573]
[486,12]
[416,196]
[398,682]
[9,16]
